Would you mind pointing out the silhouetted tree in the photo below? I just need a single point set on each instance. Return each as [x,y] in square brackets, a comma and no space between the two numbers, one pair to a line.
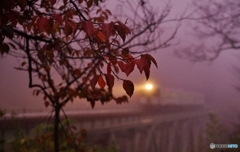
[67,47]
[216,26]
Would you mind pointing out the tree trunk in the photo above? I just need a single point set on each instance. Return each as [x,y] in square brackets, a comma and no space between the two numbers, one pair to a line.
[56,128]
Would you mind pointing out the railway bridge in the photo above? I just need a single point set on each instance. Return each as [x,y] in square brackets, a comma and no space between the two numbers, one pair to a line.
[165,129]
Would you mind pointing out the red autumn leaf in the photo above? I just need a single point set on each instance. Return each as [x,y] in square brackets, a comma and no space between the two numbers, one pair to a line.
[89,3]
[121,32]
[72,24]
[64,76]
[102,37]
[46,104]
[88,27]
[58,18]
[65,2]
[109,69]
[4,48]
[22,3]
[77,72]
[37,92]
[68,30]
[128,86]
[94,81]
[23,63]
[121,65]
[42,23]
[126,55]
[144,64]
[139,64]
[116,69]
[108,29]
[125,52]
[101,82]
[125,28]
[129,67]
[13,17]
[151,58]
[110,80]
[52,2]
[147,73]
[92,102]
[126,68]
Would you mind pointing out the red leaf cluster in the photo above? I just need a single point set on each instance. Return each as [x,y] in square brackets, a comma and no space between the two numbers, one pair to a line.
[122,99]
[105,30]
[101,82]
[58,35]
[144,64]
[42,23]
[122,30]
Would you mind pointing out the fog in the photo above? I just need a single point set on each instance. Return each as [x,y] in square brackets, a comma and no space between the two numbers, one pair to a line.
[215,80]
[179,125]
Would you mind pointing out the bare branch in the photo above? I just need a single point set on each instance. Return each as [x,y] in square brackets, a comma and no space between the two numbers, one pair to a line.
[216,21]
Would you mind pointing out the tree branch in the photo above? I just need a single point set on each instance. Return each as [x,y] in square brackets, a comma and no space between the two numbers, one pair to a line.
[21,33]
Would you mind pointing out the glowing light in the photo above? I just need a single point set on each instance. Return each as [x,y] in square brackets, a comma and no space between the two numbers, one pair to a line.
[149,86]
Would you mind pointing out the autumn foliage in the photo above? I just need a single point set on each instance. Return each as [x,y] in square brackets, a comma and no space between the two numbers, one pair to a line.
[78,48]
[61,36]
